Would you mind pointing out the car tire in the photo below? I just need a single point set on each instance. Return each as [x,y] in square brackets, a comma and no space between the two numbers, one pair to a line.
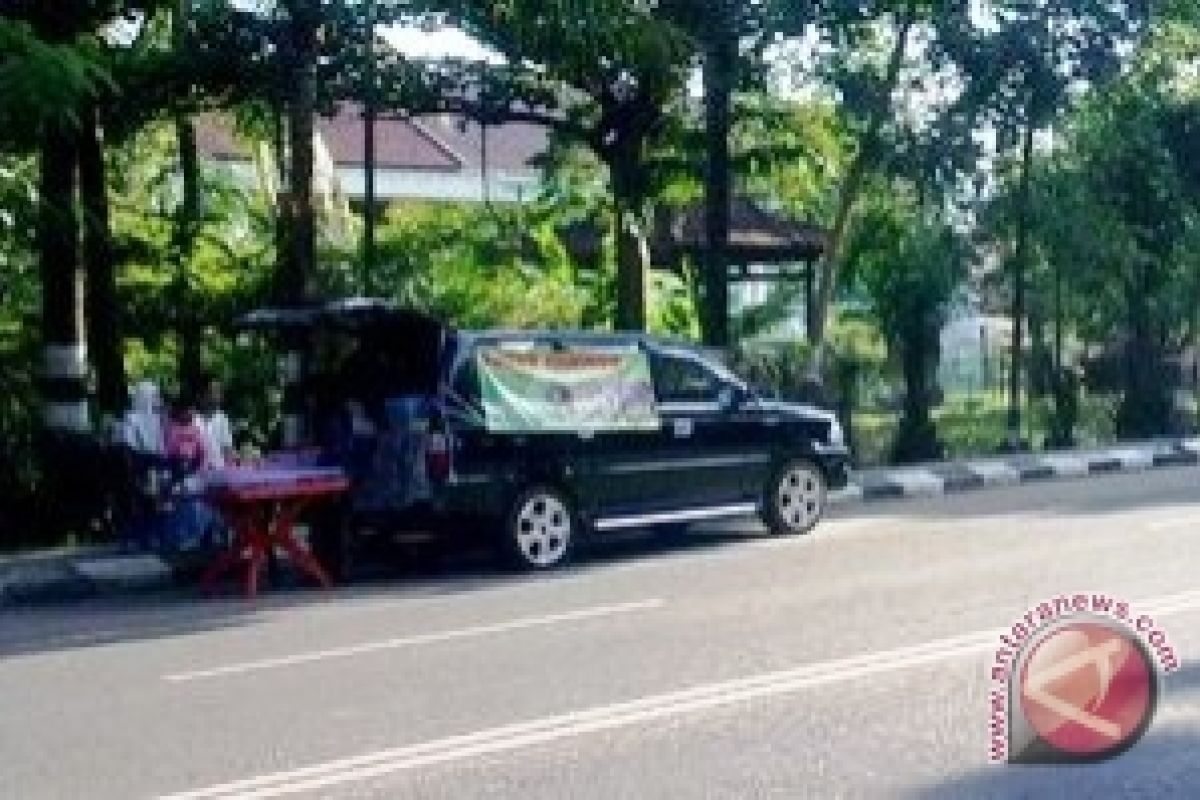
[795,498]
[540,530]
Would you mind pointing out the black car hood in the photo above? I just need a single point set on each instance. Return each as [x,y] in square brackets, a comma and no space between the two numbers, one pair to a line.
[799,410]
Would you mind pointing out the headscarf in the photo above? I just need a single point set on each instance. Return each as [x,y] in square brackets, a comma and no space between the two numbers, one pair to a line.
[143,421]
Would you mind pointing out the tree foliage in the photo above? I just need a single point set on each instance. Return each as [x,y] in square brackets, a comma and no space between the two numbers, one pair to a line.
[911,263]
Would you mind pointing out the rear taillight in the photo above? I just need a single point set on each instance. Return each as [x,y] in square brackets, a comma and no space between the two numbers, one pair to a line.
[437,456]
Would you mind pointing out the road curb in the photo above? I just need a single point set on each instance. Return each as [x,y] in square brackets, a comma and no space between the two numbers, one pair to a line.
[955,477]
[88,573]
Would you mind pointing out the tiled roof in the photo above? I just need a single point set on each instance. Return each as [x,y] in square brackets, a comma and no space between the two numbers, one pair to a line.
[439,143]
[512,147]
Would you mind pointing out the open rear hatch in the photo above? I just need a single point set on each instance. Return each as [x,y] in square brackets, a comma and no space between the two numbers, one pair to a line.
[370,349]
[383,363]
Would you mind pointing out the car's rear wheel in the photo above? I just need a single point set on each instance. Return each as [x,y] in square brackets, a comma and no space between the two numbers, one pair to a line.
[540,530]
[795,498]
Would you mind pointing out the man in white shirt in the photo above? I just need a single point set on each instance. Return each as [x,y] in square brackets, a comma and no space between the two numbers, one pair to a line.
[215,424]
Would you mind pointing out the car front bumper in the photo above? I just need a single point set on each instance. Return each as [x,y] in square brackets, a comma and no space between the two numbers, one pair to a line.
[835,462]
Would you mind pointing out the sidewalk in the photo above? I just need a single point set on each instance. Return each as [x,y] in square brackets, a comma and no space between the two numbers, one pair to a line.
[77,573]
[71,574]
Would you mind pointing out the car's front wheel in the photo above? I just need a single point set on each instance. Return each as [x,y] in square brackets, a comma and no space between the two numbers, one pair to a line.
[794,500]
[540,530]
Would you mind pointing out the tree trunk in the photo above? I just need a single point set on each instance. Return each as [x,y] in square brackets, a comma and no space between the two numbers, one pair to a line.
[102,304]
[1020,265]
[1145,407]
[296,269]
[720,68]
[917,439]
[1037,372]
[298,261]
[810,303]
[369,247]
[631,269]
[189,328]
[632,254]
[1058,318]
[64,376]
[865,159]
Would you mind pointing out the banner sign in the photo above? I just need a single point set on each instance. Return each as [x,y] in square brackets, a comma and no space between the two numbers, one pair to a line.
[540,390]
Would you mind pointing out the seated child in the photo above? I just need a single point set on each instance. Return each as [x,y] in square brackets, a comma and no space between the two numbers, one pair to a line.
[192,523]
[186,443]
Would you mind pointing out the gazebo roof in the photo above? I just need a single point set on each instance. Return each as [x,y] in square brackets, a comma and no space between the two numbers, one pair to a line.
[756,236]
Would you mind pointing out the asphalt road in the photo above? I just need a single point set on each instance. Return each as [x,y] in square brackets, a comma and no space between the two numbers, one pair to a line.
[851,663]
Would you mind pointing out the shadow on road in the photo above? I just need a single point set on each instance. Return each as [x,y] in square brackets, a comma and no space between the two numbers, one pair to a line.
[1165,764]
[413,575]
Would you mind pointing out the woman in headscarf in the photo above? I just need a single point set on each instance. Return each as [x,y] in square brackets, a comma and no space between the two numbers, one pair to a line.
[141,436]
[143,424]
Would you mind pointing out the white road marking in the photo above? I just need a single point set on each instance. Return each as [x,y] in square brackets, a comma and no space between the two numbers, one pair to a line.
[418,639]
[1187,522]
[622,714]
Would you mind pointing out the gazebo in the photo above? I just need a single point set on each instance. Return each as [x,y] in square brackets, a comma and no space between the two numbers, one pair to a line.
[764,246]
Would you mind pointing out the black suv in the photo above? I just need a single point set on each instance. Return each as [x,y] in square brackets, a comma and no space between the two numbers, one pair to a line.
[543,438]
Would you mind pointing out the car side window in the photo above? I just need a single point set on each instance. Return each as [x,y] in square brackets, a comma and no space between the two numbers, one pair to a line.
[679,380]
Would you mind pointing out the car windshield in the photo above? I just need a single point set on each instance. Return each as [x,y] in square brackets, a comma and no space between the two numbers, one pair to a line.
[728,376]
[713,364]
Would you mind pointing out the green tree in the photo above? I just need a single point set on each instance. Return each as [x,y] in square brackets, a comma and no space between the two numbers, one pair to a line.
[869,153]
[56,48]
[477,267]
[911,263]
[1022,67]
[604,73]
[1112,224]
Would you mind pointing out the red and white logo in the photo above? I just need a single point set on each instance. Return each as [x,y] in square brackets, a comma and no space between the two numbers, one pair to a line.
[1076,679]
[1087,691]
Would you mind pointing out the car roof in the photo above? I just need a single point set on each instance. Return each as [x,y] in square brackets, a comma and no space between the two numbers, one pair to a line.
[362,314]
[553,336]
[355,313]
[581,337]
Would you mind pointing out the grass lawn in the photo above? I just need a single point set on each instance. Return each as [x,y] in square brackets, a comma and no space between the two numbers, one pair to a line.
[972,425]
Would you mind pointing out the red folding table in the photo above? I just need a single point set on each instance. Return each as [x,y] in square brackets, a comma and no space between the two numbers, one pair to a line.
[261,506]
